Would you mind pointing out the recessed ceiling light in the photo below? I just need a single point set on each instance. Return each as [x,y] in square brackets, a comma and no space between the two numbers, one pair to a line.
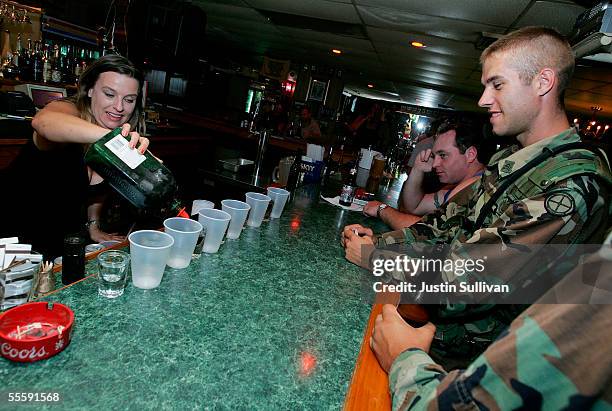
[336,51]
[417,44]
[371,85]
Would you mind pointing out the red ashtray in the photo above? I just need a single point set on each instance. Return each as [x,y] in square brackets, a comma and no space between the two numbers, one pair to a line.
[35,331]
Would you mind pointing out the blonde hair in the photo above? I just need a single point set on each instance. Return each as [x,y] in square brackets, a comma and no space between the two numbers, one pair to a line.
[535,48]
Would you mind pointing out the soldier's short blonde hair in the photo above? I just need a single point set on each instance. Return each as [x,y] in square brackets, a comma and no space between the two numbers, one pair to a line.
[534,48]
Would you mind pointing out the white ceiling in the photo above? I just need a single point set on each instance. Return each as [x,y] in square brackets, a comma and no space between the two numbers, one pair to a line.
[375,36]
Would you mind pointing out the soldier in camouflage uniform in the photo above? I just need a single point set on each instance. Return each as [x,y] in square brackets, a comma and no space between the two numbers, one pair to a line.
[556,199]
[553,356]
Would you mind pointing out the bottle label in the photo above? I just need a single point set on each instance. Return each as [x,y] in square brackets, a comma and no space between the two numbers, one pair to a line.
[118,145]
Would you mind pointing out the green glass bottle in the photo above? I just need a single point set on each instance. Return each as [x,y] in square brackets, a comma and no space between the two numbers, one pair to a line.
[140,178]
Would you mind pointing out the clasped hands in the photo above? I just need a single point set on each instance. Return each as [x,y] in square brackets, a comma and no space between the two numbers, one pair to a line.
[391,335]
[354,238]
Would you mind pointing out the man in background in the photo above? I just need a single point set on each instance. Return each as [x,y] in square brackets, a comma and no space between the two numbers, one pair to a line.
[458,158]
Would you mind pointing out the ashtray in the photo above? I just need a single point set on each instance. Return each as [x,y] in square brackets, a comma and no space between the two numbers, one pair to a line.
[35,331]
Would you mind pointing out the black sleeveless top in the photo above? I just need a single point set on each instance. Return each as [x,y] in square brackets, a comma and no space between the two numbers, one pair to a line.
[45,197]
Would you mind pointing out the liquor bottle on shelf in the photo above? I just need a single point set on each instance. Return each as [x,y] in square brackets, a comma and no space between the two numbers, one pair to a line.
[140,178]
[46,68]
[9,70]
[17,52]
[37,63]
[56,65]
[77,63]
[25,62]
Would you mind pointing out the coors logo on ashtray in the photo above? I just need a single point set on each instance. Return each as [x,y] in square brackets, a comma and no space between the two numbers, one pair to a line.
[31,353]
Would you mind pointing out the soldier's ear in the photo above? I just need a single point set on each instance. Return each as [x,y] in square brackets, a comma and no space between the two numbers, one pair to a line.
[545,81]
[471,154]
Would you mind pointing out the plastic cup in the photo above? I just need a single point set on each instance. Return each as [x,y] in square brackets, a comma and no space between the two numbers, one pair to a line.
[215,223]
[239,210]
[149,250]
[279,196]
[185,233]
[112,273]
[259,205]
[200,204]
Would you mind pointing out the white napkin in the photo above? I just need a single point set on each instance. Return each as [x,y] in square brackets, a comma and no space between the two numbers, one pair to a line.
[336,201]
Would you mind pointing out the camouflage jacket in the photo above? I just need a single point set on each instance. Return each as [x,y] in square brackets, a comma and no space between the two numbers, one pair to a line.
[553,357]
[545,206]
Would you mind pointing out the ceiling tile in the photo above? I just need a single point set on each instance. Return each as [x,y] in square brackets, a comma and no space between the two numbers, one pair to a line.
[495,12]
[559,16]
[402,57]
[240,3]
[319,9]
[437,45]
[231,11]
[332,40]
[428,25]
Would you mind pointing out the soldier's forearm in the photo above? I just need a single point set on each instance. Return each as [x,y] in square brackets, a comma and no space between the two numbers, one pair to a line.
[413,376]
[412,192]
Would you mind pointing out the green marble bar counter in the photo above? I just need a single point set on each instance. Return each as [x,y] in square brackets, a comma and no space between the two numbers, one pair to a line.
[274,320]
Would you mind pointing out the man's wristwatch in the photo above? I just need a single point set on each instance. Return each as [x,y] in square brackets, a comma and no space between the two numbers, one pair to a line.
[380,208]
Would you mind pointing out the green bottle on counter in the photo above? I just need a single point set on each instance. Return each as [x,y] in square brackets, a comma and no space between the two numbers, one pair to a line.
[140,178]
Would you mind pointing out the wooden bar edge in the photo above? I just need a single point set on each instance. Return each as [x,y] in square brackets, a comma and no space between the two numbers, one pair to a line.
[369,387]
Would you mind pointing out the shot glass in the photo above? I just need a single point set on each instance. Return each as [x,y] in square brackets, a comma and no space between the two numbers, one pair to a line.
[112,273]
[259,205]
[150,251]
[279,196]
[185,233]
[215,223]
[239,210]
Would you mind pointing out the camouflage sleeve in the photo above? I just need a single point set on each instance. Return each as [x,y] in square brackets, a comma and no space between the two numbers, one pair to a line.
[564,214]
[568,213]
[447,222]
[550,357]
[533,366]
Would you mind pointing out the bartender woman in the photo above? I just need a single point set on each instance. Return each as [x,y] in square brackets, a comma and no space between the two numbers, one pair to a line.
[56,200]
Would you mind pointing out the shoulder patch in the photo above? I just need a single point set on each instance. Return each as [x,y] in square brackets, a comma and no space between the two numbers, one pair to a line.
[508,166]
[559,204]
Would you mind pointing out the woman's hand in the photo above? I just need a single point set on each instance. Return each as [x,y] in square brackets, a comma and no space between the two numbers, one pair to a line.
[135,139]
